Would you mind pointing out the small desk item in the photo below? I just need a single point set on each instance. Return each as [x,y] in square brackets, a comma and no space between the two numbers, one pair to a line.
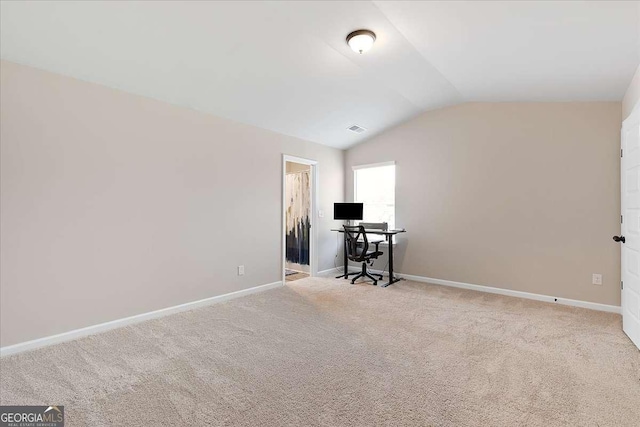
[375,226]
[388,234]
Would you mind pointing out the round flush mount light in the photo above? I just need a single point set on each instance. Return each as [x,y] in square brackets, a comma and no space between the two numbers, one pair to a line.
[361,41]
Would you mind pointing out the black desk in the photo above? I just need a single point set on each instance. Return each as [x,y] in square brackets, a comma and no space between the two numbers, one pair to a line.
[388,236]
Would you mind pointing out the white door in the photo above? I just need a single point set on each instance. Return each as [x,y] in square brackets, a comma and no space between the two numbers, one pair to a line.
[630,227]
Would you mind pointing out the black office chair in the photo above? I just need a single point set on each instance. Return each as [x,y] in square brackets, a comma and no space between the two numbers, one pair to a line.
[358,250]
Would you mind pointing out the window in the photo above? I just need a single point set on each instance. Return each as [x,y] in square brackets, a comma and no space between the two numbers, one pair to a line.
[375,186]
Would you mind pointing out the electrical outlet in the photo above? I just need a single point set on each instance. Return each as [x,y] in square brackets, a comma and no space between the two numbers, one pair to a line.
[241,270]
[596,279]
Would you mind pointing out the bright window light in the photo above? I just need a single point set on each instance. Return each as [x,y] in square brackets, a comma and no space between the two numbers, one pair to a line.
[375,187]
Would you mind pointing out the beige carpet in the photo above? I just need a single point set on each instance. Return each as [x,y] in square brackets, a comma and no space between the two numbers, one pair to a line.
[320,352]
[294,277]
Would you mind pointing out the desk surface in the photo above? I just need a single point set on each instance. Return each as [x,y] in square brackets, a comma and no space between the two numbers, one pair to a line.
[375,231]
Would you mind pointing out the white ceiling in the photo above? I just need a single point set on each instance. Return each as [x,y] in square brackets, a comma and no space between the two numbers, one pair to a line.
[285,66]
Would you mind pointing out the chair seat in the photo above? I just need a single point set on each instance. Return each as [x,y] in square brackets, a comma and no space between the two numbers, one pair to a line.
[369,254]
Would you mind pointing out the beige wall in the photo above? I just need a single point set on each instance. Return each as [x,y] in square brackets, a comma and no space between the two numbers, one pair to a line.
[114,205]
[524,196]
[632,95]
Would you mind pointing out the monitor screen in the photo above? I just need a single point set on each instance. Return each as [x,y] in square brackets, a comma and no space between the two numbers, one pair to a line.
[347,211]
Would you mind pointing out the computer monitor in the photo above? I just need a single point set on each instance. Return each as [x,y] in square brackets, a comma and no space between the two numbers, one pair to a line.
[348,211]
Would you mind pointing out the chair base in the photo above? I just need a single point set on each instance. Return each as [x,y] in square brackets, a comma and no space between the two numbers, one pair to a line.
[365,273]
[346,275]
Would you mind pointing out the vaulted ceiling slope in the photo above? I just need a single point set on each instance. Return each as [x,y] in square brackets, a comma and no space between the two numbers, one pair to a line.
[285,66]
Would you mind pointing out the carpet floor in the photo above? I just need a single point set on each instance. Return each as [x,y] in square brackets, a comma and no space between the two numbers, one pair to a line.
[296,276]
[321,352]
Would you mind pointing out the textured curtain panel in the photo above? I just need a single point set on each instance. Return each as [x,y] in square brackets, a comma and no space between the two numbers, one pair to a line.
[298,193]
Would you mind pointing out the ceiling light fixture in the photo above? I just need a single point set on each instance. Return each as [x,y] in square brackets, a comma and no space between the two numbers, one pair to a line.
[361,41]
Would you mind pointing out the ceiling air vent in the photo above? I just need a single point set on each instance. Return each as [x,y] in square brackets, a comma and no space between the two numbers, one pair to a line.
[356,129]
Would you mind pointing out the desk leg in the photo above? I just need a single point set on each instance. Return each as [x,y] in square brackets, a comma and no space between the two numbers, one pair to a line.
[392,278]
[345,261]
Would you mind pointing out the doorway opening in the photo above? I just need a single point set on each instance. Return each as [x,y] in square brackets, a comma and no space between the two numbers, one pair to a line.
[299,183]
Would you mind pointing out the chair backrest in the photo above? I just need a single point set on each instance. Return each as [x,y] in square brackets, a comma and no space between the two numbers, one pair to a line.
[356,250]
[375,225]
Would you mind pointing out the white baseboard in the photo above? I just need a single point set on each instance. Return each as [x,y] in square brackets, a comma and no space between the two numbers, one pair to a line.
[501,291]
[329,272]
[119,323]
[518,294]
